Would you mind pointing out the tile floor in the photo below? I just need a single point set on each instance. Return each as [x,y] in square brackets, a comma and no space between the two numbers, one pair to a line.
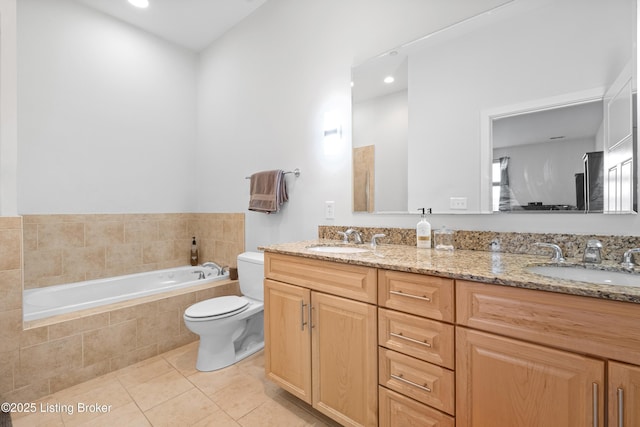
[167,390]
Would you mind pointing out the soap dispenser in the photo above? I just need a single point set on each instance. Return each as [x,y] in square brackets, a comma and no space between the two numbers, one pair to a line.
[194,252]
[423,231]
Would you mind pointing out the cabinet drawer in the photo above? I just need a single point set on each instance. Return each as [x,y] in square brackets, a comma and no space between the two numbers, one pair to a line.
[426,296]
[422,381]
[397,410]
[422,338]
[607,329]
[346,280]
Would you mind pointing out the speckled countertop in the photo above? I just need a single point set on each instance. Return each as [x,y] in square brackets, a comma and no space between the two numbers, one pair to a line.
[482,266]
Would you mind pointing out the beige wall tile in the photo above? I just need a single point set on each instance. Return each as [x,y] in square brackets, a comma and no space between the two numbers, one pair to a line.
[141,231]
[8,359]
[10,290]
[172,229]
[158,251]
[124,255]
[10,249]
[49,359]
[75,376]
[28,392]
[41,264]
[34,336]
[60,235]
[82,260]
[104,233]
[105,343]
[77,326]
[10,329]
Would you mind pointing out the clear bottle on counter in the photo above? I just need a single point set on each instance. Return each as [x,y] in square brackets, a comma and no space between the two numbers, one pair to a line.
[443,239]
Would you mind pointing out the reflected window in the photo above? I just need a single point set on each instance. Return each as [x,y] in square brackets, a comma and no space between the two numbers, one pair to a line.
[495,178]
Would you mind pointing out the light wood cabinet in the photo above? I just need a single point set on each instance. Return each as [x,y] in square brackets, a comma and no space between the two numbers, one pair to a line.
[542,350]
[506,382]
[624,395]
[398,410]
[321,347]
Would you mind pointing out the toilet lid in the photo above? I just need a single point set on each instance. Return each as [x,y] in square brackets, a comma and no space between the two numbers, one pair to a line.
[217,306]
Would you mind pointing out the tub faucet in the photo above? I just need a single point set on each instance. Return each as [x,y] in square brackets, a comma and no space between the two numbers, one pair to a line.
[226,267]
[626,258]
[357,236]
[592,253]
[557,252]
[201,274]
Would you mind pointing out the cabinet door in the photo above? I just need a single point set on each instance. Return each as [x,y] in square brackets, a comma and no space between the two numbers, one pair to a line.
[505,382]
[344,360]
[624,395]
[287,337]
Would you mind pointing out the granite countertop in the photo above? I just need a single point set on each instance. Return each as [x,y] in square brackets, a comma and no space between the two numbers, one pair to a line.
[490,267]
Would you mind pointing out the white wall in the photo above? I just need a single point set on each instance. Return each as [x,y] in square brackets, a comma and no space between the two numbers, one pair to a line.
[106,115]
[383,121]
[8,120]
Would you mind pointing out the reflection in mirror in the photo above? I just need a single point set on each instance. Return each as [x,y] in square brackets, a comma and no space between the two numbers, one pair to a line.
[538,159]
[380,126]
[526,56]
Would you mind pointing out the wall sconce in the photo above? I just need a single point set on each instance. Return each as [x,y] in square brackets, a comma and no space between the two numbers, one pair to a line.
[332,133]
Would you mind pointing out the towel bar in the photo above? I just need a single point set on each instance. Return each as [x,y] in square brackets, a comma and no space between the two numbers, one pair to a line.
[296,172]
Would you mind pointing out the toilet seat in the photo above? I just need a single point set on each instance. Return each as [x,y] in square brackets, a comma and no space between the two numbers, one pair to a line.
[217,308]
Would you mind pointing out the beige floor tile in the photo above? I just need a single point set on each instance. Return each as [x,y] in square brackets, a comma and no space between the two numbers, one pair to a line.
[242,396]
[184,358]
[143,371]
[214,381]
[159,389]
[273,413]
[41,417]
[128,415]
[183,410]
[94,403]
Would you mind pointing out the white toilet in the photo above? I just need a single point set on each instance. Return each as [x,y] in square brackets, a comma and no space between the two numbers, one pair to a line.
[231,327]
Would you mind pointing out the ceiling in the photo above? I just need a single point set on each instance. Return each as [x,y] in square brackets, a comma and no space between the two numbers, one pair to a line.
[193,24]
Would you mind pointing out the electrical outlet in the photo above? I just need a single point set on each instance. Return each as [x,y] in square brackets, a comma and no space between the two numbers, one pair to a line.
[330,209]
[458,203]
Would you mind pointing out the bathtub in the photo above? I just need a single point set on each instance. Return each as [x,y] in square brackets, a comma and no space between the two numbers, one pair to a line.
[59,299]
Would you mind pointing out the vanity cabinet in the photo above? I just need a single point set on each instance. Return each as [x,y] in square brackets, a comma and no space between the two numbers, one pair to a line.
[416,353]
[320,345]
[527,357]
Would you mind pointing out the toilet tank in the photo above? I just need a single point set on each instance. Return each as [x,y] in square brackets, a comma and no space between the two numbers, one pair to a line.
[251,274]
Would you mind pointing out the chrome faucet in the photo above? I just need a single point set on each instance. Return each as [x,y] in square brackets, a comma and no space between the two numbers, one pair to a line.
[345,236]
[557,252]
[374,243]
[626,258]
[592,253]
[201,274]
[357,236]
[214,266]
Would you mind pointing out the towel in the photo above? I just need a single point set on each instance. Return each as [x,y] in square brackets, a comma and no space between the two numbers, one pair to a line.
[268,191]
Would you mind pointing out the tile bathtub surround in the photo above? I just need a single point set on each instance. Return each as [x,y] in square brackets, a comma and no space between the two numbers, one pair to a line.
[518,243]
[49,356]
[72,248]
[61,351]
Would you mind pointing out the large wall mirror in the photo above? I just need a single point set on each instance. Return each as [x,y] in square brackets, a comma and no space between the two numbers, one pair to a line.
[528,107]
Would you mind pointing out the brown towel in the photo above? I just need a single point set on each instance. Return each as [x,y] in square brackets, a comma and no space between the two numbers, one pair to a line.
[268,191]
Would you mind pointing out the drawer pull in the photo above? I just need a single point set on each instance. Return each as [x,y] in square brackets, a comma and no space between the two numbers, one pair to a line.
[302,322]
[421,387]
[413,340]
[620,407]
[595,404]
[402,294]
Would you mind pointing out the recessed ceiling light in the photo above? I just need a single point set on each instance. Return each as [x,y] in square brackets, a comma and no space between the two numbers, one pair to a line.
[140,3]
[389,79]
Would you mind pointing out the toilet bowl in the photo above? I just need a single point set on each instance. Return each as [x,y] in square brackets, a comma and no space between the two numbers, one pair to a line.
[231,327]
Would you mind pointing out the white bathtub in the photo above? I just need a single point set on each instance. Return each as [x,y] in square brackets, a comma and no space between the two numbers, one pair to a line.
[52,300]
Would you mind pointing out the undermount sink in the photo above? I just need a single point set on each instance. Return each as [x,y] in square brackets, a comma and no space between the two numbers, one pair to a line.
[338,249]
[581,274]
